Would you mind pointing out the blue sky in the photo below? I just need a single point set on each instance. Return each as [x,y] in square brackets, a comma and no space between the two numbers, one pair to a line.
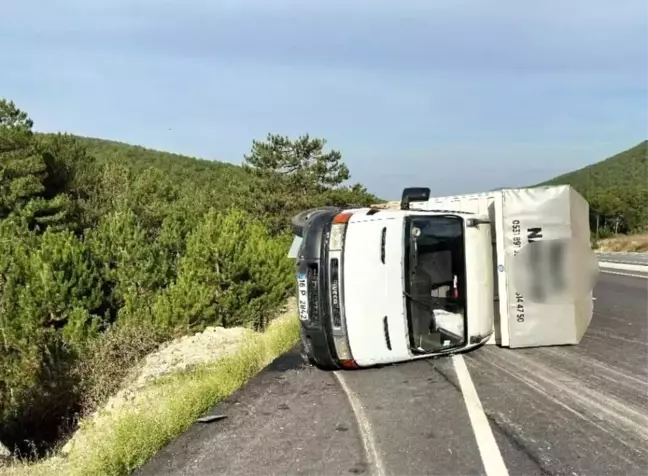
[457,95]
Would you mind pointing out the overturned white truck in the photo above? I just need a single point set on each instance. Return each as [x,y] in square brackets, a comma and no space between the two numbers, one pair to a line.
[436,275]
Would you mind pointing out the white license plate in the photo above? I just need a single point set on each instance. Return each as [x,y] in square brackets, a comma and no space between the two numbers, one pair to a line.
[302,296]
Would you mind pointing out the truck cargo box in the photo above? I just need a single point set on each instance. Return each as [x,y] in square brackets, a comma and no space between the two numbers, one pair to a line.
[518,218]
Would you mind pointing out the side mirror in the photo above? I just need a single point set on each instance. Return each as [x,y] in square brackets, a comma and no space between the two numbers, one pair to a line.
[414,194]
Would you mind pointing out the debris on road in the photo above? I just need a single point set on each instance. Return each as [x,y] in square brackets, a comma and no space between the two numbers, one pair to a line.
[211,418]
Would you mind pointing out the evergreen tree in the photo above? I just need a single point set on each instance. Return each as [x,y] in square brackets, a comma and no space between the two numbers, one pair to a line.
[303,160]
[23,174]
[21,169]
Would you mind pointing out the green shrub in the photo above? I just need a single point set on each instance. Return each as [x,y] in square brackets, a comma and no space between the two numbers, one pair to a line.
[108,249]
[233,273]
[51,288]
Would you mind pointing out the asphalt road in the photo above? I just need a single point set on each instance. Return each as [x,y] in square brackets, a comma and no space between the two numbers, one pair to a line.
[572,410]
[624,258]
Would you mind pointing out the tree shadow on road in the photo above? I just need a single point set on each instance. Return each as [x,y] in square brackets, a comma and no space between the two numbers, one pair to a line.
[291,360]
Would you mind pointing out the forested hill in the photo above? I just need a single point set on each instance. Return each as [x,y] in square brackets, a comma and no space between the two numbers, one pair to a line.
[139,158]
[616,189]
[625,169]
[269,189]
[108,249]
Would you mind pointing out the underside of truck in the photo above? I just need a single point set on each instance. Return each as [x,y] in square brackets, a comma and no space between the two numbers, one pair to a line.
[435,282]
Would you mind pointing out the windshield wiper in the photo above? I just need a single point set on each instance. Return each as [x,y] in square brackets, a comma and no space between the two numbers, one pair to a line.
[440,302]
[420,302]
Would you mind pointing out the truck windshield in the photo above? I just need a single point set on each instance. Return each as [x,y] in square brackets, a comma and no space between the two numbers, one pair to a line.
[435,282]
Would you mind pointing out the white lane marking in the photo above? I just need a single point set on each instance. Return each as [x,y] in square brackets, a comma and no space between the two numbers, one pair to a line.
[488,449]
[365,428]
[644,276]
[616,261]
[623,266]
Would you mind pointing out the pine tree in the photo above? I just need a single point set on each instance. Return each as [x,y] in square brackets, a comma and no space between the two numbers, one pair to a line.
[23,172]
[302,160]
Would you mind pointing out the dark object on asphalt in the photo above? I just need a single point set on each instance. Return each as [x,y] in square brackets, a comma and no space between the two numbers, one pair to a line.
[211,418]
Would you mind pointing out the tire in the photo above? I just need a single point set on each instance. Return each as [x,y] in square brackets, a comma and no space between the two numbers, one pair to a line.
[300,220]
[306,352]
[306,359]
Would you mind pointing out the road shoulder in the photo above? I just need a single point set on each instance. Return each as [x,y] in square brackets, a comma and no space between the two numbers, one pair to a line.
[289,419]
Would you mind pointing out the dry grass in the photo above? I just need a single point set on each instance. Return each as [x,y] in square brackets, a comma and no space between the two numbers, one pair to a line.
[110,359]
[124,440]
[631,243]
[393,205]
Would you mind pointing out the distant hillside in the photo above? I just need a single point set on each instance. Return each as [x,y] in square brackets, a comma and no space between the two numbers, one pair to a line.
[625,169]
[139,158]
[218,183]
[616,189]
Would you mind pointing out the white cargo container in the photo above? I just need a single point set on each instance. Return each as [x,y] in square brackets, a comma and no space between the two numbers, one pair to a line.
[520,217]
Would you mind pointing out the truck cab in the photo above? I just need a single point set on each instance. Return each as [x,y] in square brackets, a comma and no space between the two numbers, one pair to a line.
[382,286]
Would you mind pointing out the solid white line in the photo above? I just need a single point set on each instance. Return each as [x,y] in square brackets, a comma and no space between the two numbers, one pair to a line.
[623,266]
[365,428]
[644,276]
[616,261]
[490,453]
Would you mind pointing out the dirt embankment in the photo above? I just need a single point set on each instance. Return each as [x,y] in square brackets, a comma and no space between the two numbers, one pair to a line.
[178,355]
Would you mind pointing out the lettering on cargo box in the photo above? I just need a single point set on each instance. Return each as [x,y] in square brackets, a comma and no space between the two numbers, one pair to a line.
[517,244]
[517,240]
[532,235]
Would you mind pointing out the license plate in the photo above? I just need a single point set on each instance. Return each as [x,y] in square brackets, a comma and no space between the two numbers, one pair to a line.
[302,296]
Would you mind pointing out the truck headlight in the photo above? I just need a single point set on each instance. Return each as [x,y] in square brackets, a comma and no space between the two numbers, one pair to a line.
[337,236]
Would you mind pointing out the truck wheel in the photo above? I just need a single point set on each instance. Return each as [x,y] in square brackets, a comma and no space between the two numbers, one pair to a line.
[306,350]
[300,220]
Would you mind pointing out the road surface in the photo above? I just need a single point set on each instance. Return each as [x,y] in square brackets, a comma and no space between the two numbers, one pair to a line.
[572,410]
[624,258]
